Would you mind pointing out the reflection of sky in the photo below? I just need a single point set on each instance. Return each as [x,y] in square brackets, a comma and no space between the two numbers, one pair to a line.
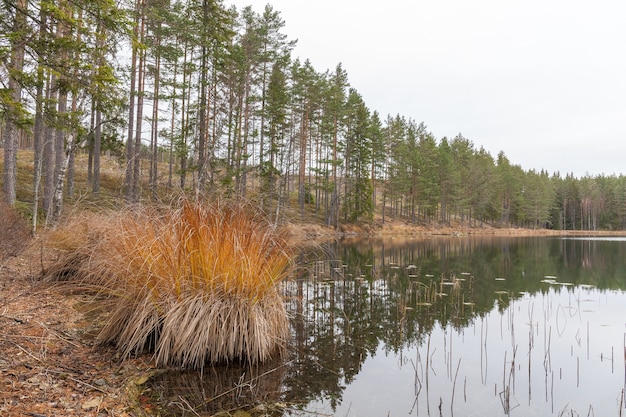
[562,341]
[603,238]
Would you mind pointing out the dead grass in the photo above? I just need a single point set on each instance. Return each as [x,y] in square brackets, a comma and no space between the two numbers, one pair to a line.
[194,284]
[14,232]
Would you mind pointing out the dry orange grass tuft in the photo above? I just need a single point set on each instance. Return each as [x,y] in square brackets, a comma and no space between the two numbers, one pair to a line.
[195,284]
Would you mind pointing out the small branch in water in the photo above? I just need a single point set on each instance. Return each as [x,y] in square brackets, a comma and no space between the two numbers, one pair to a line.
[189,407]
[249,382]
[453,386]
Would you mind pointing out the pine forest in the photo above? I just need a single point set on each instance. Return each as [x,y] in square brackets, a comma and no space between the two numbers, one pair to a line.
[199,97]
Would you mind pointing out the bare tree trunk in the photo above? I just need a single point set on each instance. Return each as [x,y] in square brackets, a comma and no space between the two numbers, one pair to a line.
[141,70]
[38,146]
[214,134]
[302,169]
[130,148]
[48,149]
[54,211]
[172,129]
[243,154]
[38,129]
[334,199]
[70,166]
[154,145]
[202,114]
[60,130]
[97,136]
[97,140]
[10,161]
[60,89]
[184,121]
[10,133]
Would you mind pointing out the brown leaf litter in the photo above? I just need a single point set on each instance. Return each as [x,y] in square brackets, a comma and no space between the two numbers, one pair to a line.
[49,363]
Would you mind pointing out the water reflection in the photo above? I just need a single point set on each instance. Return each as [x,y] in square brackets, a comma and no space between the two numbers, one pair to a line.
[447,326]
[216,389]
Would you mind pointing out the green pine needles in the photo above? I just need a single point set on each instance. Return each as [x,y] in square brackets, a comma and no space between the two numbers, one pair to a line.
[197,284]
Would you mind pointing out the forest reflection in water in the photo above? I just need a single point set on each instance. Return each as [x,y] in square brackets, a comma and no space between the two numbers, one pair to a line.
[458,326]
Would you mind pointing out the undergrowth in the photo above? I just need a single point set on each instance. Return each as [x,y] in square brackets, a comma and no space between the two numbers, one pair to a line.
[14,231]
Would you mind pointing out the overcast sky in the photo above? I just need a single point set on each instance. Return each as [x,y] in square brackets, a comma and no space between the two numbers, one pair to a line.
[542,80]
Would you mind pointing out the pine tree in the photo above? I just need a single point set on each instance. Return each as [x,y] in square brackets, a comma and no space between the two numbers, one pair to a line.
[448,181]
[378,153]
[395,173]
[462,155]
[358,157]
[480,186]
[276,106]
[135,108]
[14,112]
[304,93]
[335,111]
[274,50]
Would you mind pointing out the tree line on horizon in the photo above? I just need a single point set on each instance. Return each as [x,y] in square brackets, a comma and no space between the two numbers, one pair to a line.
[215,93]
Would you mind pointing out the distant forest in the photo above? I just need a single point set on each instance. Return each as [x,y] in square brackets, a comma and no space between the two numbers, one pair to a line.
[198,96]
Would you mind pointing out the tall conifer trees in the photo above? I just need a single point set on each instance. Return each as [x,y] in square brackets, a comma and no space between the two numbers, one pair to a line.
[215,93]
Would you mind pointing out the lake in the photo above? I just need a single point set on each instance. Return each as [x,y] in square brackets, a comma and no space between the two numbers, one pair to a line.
[445,326]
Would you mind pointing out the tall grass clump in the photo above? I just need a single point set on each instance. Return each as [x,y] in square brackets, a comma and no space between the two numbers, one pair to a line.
[195,284]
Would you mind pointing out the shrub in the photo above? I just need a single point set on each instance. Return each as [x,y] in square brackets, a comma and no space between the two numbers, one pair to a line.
[195,284]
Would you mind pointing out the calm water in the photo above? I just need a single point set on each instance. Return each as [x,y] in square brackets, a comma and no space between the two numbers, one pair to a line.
[470,326]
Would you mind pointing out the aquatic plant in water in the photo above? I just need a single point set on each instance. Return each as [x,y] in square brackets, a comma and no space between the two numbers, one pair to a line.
[197,284]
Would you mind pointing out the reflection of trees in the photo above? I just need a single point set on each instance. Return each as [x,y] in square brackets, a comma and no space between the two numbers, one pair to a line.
[362,294]
[346,305]
[597,262]
[335,325]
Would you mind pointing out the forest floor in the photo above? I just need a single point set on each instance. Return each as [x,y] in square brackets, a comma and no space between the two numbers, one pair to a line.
[50,364]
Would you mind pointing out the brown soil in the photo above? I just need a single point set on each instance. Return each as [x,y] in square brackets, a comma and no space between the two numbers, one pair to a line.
[49,363]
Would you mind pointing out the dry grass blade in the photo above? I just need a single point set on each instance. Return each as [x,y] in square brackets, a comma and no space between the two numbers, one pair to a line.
[197,284]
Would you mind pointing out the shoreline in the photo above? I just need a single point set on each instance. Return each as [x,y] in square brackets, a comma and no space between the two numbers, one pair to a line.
[311,234]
